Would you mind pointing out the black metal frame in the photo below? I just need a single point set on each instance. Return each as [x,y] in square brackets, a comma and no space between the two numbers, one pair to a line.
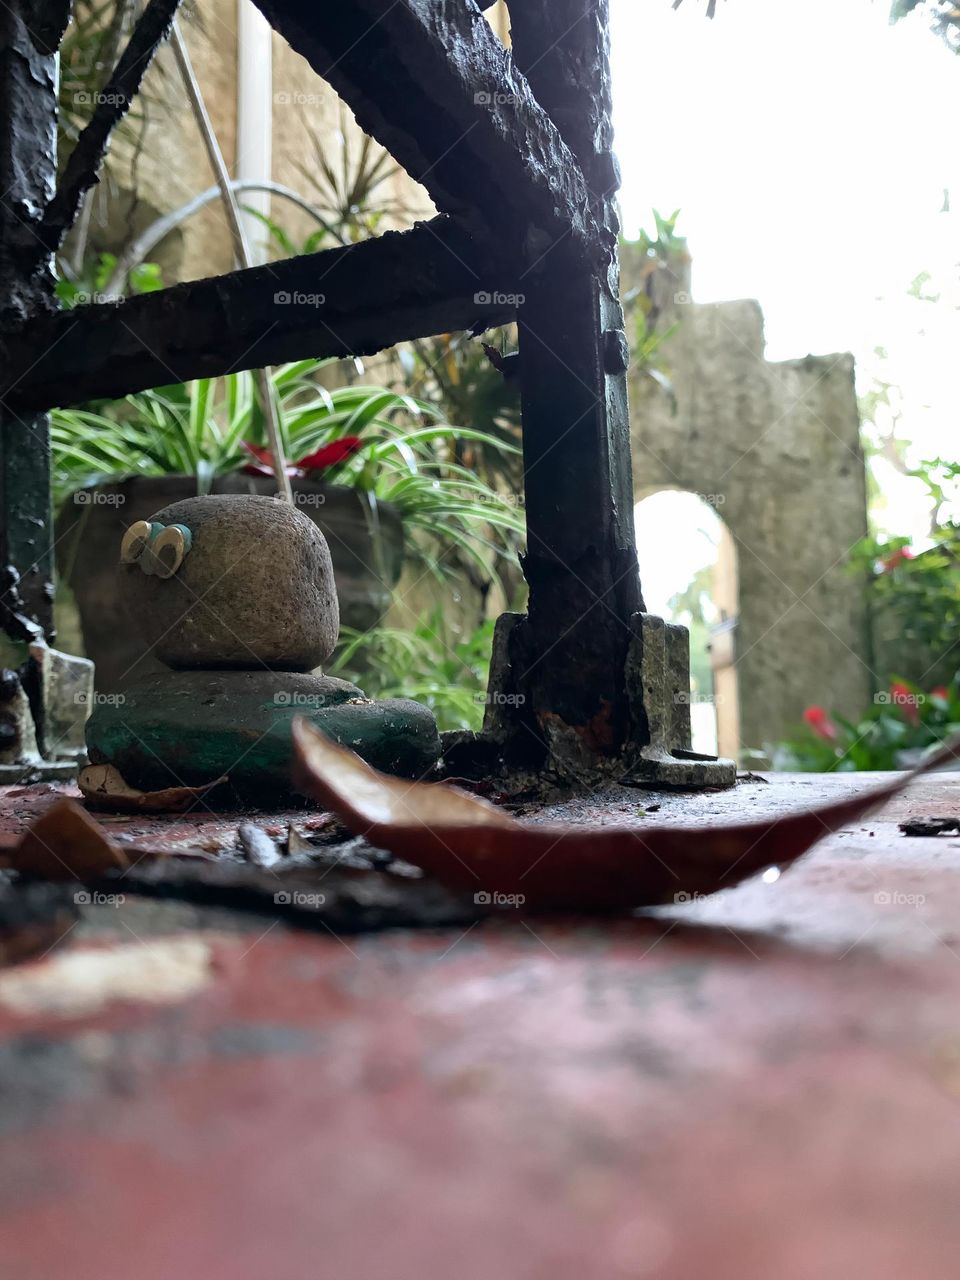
[514,148]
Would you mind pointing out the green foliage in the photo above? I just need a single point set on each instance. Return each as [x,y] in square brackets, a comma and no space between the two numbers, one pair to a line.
[944,17]
[349,196]
[73,290]
[88,53]
[662,254]
[453,372]
[646,345]
[282,243]
[448,674]
[922,593]
[664,244]
[350,190]
[405,456]
[903,719]
[941,478]
[693,608]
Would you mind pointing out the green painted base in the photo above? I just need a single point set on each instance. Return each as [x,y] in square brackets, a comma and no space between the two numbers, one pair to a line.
[187,727]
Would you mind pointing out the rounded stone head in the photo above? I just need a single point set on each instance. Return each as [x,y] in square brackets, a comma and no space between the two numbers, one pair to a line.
[253,586]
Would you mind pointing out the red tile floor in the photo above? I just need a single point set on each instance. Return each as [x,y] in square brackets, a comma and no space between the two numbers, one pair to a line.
[764,1085]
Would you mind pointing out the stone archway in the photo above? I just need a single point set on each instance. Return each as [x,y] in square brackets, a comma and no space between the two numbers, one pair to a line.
[778,445]
[697,548]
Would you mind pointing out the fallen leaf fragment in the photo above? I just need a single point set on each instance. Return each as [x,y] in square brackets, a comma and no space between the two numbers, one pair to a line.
[469,844]
[930,826]
[257,845]
[65,843]
[297,843]
[103,787]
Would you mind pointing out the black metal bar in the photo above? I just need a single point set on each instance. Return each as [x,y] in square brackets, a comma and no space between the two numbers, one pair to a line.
[581,561]
[432,82]
[355,300]
[113,102]
[29,34]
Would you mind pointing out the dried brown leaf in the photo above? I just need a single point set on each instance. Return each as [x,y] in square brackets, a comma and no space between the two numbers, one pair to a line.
[469,845]
[103,787]
[65,843]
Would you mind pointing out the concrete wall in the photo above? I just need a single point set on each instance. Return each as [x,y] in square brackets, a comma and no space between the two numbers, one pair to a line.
[776,448]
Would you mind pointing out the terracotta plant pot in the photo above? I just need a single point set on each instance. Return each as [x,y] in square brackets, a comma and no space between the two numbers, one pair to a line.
[366,547]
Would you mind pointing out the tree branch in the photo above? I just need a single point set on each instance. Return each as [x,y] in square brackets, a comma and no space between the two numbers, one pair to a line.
[82,170]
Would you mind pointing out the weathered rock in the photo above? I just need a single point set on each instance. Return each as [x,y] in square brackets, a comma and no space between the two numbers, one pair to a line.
[18,739]
[66,694]
[255,590]
[186,728]
[658,680]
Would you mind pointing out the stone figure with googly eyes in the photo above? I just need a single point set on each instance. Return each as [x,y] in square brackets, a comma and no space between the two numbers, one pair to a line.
[235,594]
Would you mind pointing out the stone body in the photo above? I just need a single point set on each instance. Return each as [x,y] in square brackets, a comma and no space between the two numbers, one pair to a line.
[255,590]
[193,726]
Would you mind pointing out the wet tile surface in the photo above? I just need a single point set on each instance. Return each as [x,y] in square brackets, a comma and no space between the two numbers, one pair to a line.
[765,1083]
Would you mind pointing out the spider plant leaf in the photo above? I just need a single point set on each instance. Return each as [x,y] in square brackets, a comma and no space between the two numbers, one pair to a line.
[375,404]
[200,393]
[205,472]
[296,371]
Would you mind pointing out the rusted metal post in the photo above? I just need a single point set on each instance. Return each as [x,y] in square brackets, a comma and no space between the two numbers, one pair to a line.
[581,561]
[29,34]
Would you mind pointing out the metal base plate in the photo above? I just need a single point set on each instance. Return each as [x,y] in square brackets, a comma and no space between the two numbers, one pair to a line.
[679,770]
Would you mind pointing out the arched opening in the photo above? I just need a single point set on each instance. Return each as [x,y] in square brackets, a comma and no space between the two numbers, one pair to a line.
[688,567]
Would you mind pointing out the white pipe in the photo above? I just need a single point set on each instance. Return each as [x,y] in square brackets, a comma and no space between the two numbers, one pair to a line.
[241,249]
[254,157]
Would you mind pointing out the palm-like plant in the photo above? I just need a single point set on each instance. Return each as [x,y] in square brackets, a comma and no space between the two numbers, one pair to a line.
[399,452]
[432,663]
[349,188]
[456,374]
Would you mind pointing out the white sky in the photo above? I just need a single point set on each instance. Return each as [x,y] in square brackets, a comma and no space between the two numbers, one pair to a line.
[808,147]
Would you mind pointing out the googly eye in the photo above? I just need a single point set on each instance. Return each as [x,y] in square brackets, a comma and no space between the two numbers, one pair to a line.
[136,540]
[168,550]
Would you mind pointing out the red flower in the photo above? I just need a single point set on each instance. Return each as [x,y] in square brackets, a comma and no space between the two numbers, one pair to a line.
[896,557]
[332,453]
[907,702]
[335,451]
[265,459]
[821,724]
[942,692]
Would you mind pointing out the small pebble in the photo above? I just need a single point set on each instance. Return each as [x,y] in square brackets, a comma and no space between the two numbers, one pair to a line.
[257,845]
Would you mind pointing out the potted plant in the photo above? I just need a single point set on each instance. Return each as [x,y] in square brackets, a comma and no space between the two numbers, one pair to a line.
[372,468]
